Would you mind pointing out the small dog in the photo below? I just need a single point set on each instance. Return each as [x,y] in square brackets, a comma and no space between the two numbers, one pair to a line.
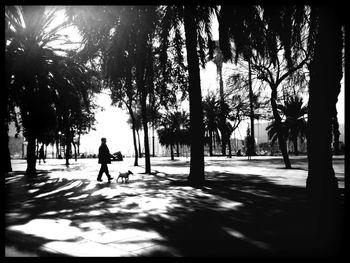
[124,176]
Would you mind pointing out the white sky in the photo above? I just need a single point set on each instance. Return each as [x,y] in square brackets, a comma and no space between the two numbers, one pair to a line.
[112,122]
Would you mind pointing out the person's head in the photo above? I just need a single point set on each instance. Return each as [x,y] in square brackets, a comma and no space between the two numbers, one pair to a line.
[103,140]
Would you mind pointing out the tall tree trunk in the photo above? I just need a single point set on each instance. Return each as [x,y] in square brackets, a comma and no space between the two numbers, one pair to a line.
[139,143]
[136,162]
[251,109]
[57,147]
[31,156]
[229,147]
[210,143]
[4,122]
[336,133]
[75,151]
[172,152]
[222,120]
[223,141]
[278,122]
[324,87]
[78,143]
[195,99]
[177,150]
[295,143]
[153,143]
[68,146]
[145,131]
[37,149]
[214,142]
[143,90]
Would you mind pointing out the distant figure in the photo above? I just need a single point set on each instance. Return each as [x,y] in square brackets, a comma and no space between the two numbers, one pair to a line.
[41,154]
[104,158]
[239,152]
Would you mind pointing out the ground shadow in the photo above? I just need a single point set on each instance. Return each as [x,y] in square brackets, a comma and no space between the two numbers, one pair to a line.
[230,215]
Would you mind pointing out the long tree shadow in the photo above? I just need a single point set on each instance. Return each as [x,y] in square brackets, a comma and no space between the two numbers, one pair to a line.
[231,215]
[245,215]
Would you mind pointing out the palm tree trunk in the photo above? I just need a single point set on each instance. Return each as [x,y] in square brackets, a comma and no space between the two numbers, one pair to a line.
[214,142]
[136,163]
[251,109]
[321,184]
[229,148]
[295,143]
[177,150]
[75,151]
[67,150]
[336,133]
[210,143]
[145,130]
[278,122]
[222,121]
[223,142]
[195,99]
[37,149]
[78,143]
[57,147]
[4,128]
[153,143]
[31,156]
[138,139]
[68,147]
[171,152]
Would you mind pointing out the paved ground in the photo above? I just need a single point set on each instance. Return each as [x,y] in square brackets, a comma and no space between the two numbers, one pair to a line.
[246,208]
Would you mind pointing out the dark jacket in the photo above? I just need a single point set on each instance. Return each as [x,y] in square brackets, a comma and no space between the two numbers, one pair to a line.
[103,154]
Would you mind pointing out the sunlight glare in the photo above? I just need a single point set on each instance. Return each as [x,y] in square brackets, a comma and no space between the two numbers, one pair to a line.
[59,229]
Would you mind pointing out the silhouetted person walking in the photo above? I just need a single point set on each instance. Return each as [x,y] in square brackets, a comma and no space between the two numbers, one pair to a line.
[41,154]
[104,158]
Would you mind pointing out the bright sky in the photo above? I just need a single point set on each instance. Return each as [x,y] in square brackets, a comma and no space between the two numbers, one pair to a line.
[112,122]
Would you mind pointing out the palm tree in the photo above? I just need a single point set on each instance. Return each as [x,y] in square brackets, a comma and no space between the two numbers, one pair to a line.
[294,112]
[75,84]
[261,33]
[29,58]
[326,39]
[131,29]
[251,104]
[294,124]
[218,60]
[194,19]
[174,127]
[211,113]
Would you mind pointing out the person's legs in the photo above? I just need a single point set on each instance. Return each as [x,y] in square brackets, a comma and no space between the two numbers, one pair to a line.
[100,173]
[107,173]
